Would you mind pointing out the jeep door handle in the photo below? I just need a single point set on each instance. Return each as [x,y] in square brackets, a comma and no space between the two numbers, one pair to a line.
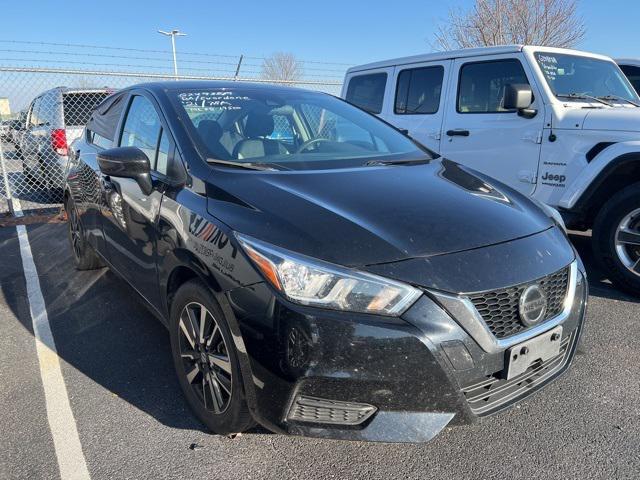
[458,133]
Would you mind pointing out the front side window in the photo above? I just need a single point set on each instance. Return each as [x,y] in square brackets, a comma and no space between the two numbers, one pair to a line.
[142,128]
[577,77]
[98,140]
[367,91]
[418,91]
[288,129]
[163,153]
[482,85]
[633,74]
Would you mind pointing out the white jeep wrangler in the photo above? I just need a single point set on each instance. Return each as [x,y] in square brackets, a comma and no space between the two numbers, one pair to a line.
[558,125]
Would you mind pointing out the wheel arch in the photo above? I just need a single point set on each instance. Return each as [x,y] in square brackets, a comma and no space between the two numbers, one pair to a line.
[618,173]
[185,266]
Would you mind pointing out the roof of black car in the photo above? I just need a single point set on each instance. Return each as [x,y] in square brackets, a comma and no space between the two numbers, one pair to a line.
[201,84]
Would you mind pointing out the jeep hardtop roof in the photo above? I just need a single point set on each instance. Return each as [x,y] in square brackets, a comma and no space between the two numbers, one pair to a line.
[468,52]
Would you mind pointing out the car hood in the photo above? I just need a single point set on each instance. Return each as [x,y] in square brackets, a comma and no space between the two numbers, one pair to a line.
[373,215]
[619,119]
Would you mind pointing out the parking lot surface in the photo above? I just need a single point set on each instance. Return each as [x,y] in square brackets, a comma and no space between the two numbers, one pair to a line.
[132,420]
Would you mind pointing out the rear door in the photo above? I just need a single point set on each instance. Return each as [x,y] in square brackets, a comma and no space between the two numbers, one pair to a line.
[84,174]
[129,215]
[480,133]
[418,100]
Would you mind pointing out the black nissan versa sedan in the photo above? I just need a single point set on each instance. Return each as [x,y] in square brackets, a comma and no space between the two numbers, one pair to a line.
[321,273]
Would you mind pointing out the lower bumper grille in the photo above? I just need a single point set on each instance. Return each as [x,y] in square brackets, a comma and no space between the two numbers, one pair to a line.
[319,410]
[494,393]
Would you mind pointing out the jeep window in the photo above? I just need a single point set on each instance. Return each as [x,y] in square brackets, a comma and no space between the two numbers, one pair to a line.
[577,76]
[633,74]
[418,90]
[288,129]
[481,86]
[367,91]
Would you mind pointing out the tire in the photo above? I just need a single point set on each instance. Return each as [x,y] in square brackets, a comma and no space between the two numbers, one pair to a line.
[616,252]
[84,257]
[213,389]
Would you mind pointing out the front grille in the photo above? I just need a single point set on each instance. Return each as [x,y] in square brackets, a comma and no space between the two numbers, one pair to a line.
[499,308]
[491,394]
[320,410]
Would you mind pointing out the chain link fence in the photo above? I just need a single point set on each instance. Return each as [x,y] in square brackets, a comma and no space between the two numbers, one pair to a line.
[43,110]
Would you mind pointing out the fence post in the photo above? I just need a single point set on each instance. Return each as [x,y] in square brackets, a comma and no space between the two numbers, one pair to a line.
[7,187]
[238,68]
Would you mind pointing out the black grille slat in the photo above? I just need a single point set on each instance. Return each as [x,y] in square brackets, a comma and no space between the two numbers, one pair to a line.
[499,308]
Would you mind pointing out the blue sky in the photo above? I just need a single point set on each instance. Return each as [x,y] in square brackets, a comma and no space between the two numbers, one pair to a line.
[346,31]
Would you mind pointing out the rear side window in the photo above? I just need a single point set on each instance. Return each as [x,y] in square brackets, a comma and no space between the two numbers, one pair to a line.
[34,119]
[418,90]
[78,106]
[633,74]
[481,86]
[367,91]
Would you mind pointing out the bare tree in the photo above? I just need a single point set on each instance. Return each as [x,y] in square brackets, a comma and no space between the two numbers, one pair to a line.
[554,23]
[282,67]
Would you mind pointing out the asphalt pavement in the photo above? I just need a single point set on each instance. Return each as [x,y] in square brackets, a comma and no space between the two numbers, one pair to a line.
[132,421]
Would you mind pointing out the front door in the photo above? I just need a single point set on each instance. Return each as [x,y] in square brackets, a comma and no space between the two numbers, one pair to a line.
[480,133]
[130,216]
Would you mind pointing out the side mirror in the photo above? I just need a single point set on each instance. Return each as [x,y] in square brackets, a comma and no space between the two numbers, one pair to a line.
[519,97]
[127,162]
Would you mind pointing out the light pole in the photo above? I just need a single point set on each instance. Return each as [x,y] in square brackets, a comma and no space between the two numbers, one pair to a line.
[173,34]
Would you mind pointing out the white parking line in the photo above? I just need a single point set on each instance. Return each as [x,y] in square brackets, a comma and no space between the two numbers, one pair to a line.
[66,441]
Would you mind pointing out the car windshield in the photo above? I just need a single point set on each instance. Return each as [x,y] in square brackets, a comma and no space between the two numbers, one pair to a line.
[289,129]
[577,77]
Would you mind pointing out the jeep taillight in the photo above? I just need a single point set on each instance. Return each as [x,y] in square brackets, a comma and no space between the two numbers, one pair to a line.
[59,141]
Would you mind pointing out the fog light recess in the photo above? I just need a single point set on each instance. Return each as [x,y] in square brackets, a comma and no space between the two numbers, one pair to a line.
[334,412]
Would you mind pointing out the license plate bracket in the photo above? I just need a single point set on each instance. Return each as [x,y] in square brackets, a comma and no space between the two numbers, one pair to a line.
[541,348]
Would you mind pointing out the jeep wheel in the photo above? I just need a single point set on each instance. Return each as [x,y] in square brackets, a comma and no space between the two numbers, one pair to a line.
[616,239]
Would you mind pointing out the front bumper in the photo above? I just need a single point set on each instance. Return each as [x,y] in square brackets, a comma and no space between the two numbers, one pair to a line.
[419,372]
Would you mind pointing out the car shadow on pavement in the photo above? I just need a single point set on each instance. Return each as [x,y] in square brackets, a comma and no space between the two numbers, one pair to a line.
[103,330]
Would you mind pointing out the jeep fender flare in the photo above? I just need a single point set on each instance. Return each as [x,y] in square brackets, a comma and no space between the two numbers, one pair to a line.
[578,193]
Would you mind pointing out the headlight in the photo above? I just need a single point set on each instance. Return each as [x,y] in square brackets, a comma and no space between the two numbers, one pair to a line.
[308,281]
[552,213]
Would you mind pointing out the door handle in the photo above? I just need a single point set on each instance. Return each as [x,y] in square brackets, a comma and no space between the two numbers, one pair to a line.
[458,133]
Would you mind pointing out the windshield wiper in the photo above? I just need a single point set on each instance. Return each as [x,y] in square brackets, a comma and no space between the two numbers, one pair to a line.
[620,99]
[583,96]
[245,165]
[371,163]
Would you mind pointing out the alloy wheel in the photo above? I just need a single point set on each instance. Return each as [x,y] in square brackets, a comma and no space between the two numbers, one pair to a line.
[205,357]
[627,241]
[76,234]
